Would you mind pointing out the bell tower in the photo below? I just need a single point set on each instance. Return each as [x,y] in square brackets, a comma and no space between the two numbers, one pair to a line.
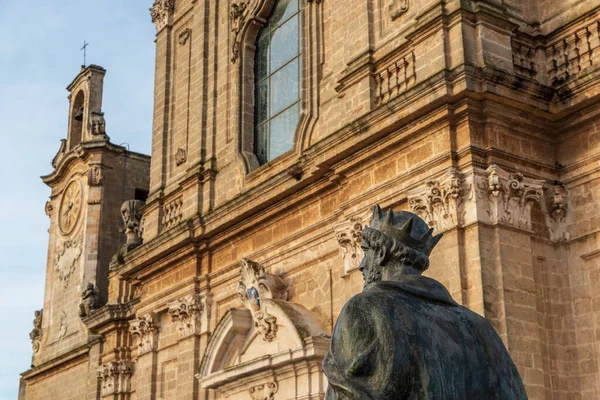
[92,178]
[86,119]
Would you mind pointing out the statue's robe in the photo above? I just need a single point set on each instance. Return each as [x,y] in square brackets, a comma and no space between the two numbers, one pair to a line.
[408,340]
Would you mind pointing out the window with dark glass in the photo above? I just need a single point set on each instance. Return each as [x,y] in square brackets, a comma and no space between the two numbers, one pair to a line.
[277,90]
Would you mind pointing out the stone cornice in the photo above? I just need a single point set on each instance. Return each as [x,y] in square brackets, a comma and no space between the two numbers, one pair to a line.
[82,152]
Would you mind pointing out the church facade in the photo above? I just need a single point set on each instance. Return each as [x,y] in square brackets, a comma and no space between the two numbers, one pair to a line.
[216,267]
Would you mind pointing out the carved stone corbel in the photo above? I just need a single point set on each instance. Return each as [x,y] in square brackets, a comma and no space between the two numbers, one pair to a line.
[146,330]
[507,198]
[36,334]
[115,378]
[161,13]
[440,202]
[185,313]
[557,200]
[254,286]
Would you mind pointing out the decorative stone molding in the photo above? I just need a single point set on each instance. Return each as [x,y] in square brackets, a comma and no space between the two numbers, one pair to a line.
[89,300]
[510,197]
[36,334]
[557,199]
[66,260]
[266,391]
[172,213]
[524,59]
[161,13]
[348,236]
[185,314]
[255,284]
[146,330]
[115,378]
[397,8]
[439,202]
[95,175]
[184,35]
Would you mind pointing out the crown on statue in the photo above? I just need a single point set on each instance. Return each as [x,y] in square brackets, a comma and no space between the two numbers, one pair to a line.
[405,227]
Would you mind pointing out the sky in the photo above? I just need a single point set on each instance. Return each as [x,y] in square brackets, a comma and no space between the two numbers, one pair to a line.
[40,55]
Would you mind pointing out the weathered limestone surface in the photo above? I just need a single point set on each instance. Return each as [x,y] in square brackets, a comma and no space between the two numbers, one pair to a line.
[480,116]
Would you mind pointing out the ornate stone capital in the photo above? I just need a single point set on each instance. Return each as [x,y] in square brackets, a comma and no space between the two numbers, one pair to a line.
[348,236]
[161,13]
[557,206]
[266,391]
[397,8]
[185,313]
[36,334]
[115,377]
[146,330]
[508,197]
[255,285]
[440,202]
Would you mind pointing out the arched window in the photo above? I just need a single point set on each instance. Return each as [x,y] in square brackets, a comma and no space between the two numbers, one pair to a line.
[76,120]
[277,81]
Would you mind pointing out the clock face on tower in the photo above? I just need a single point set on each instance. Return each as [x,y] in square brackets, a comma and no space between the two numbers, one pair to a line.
[70,207]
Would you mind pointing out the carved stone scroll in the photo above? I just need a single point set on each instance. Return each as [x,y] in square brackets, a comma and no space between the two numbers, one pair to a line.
[439,202]
[161,13]
[509,197]
[146,330]
[36,334]
[185,314]
[266,391]
[255,285]
[348,236]
[115,377]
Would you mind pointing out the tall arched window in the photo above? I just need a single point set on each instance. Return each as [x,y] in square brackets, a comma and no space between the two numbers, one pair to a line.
[277,86]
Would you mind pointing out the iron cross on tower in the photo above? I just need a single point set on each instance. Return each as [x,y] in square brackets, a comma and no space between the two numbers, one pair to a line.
[85,44]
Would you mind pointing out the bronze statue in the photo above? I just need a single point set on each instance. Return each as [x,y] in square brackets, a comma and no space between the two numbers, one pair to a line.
[404,337]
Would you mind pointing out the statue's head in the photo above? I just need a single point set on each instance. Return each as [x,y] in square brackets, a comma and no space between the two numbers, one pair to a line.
[396,243]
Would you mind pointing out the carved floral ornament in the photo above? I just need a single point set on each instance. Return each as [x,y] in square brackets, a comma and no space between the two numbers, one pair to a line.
[255,286]
[185,314]
[146,330]
[440,202]
[161,13]
[115,377]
